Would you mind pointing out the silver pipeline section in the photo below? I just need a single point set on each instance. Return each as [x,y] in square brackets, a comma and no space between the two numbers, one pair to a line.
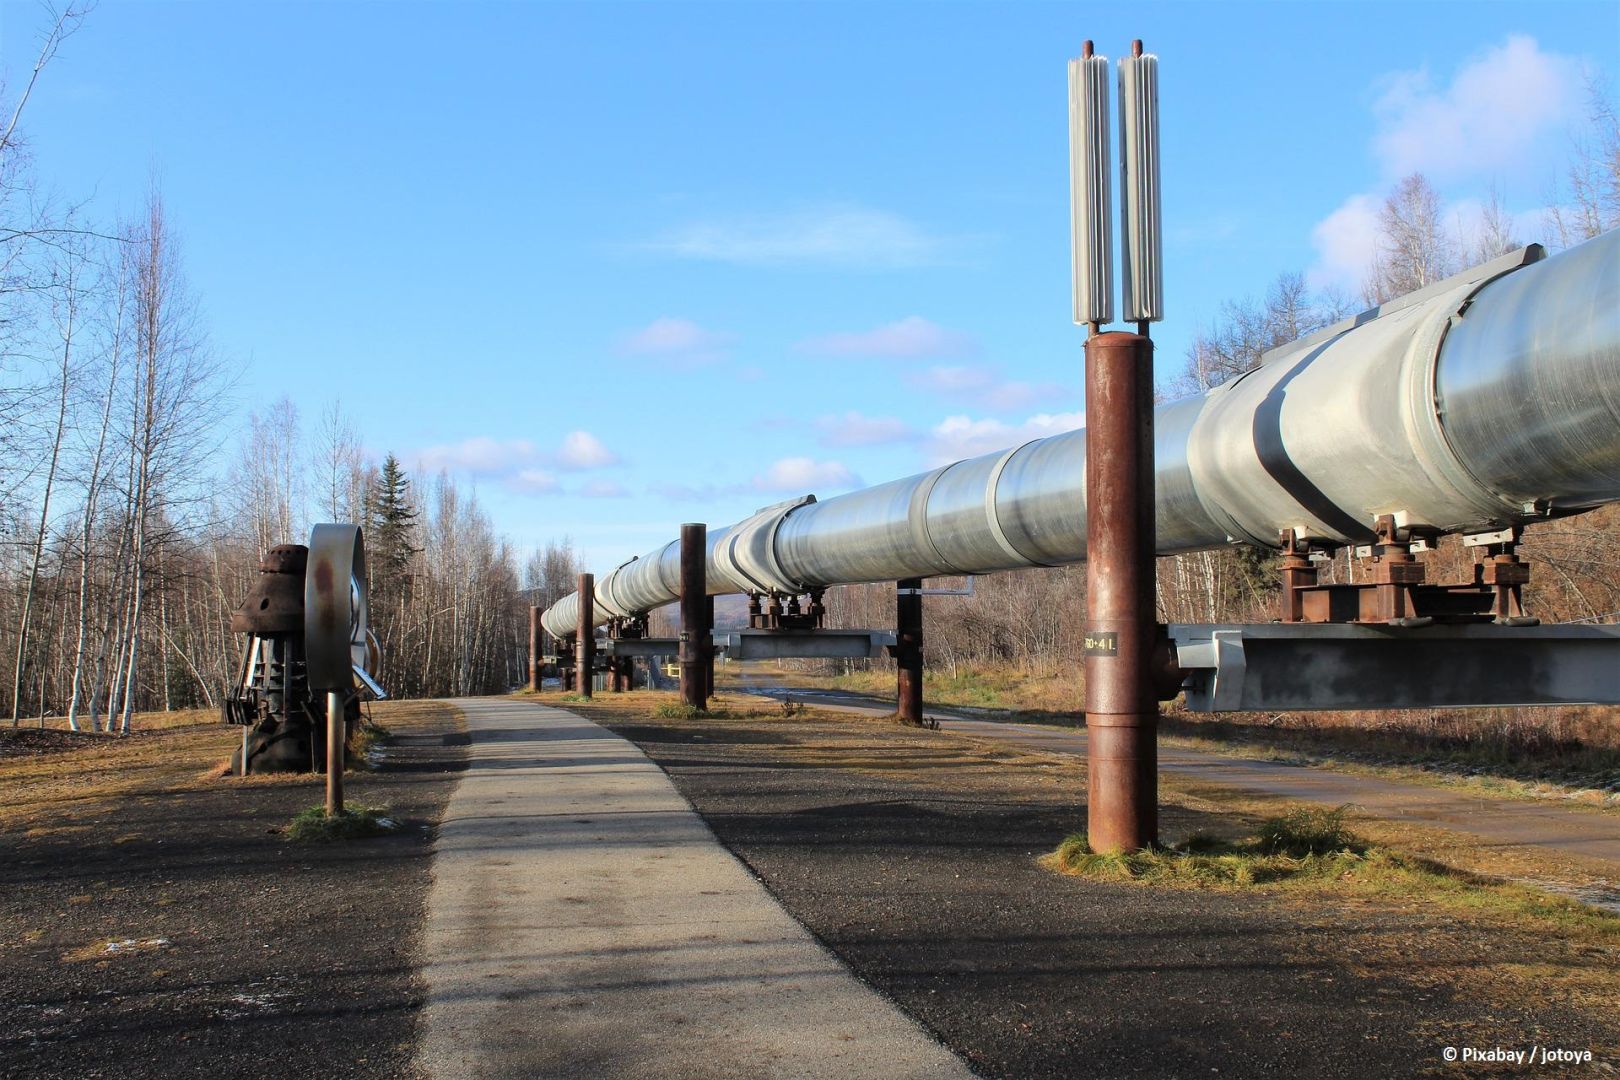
[1488,400]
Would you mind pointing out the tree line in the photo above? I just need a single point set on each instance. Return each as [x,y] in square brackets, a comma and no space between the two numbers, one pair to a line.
[132,523]
[125,545]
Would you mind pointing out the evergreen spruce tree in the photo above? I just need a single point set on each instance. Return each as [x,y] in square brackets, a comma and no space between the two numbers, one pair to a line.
[390,523]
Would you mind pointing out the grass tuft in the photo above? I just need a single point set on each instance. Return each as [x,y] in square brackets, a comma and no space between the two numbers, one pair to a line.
[1310,830]
[1309,843]
[1312,848]
[355,822]
[679,710]
[367,737]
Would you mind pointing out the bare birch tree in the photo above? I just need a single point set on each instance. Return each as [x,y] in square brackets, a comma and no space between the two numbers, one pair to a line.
[65,316]
[1414,247]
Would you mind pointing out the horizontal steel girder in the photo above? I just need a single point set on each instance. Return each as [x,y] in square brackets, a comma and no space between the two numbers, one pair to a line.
[768,645]
[1303,667]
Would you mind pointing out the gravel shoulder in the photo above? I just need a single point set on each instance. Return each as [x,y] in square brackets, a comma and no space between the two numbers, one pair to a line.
[157,923]
[912,855]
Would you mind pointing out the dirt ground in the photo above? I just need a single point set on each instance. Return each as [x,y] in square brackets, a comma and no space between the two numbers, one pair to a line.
[157,922]
[913,856]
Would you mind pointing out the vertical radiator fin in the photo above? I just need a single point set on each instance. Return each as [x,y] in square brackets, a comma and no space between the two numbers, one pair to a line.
[1090,203]
[1141,234]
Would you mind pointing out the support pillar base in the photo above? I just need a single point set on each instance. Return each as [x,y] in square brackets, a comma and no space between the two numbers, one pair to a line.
[1122,812]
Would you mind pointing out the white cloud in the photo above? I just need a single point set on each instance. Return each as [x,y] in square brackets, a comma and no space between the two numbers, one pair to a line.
[1345,241]
[848,236]
[985,387]
[955,379]
[798,475]
[604,489]
[855,429]
[518,463]
[674,337]
[958,437]
[533,482]
[479,455]
[1495,108]
[688,493]
[1496,117]
[582,450]
[911,338]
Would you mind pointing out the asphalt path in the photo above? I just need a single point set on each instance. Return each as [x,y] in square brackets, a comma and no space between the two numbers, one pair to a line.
[1505,823]
[583,921]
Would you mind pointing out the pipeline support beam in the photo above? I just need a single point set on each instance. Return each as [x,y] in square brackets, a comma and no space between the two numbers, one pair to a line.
[585,637]
[536,648]
[1283,667]
[908,651]
[694,632]
[708,646]
[1122,710]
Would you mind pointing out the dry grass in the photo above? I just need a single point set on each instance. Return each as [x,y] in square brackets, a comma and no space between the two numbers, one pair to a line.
[1464,853]
[55,792]
[633,705]
[1309,849]
[144,721]
[1522,752]
[356,821]
[1045,696]
[105,949]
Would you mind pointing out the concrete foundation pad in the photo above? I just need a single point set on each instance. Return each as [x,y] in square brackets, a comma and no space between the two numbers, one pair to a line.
[584,922]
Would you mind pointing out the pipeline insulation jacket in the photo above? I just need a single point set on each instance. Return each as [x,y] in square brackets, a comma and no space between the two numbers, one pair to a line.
[1487,400]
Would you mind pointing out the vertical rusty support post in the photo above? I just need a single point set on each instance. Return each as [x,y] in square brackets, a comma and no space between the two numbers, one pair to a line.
[537,648]
[335,738]
[694,596]
[585,636]
[908,651]
[1298,572]
[1122,709]
[615,664]
[708,648]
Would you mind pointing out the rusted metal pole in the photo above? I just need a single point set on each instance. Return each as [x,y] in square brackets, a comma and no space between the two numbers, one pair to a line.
[694,593]
[615,668]
[708,648]
[537,648]
[1122,709]
[334,753]
[585,636]
[908,654]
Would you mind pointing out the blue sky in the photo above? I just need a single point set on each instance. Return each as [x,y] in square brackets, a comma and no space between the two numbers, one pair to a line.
[540,245]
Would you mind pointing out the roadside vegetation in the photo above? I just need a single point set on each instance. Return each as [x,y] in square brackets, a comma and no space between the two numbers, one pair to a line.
[1313,848]
[664,705]
[1565,752]
[356,821]
[72,779]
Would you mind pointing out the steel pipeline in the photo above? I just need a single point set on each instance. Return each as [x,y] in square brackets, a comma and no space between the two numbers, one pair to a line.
[1487,400]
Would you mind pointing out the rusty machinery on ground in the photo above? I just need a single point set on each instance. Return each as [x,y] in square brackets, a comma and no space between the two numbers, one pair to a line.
[306,633]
